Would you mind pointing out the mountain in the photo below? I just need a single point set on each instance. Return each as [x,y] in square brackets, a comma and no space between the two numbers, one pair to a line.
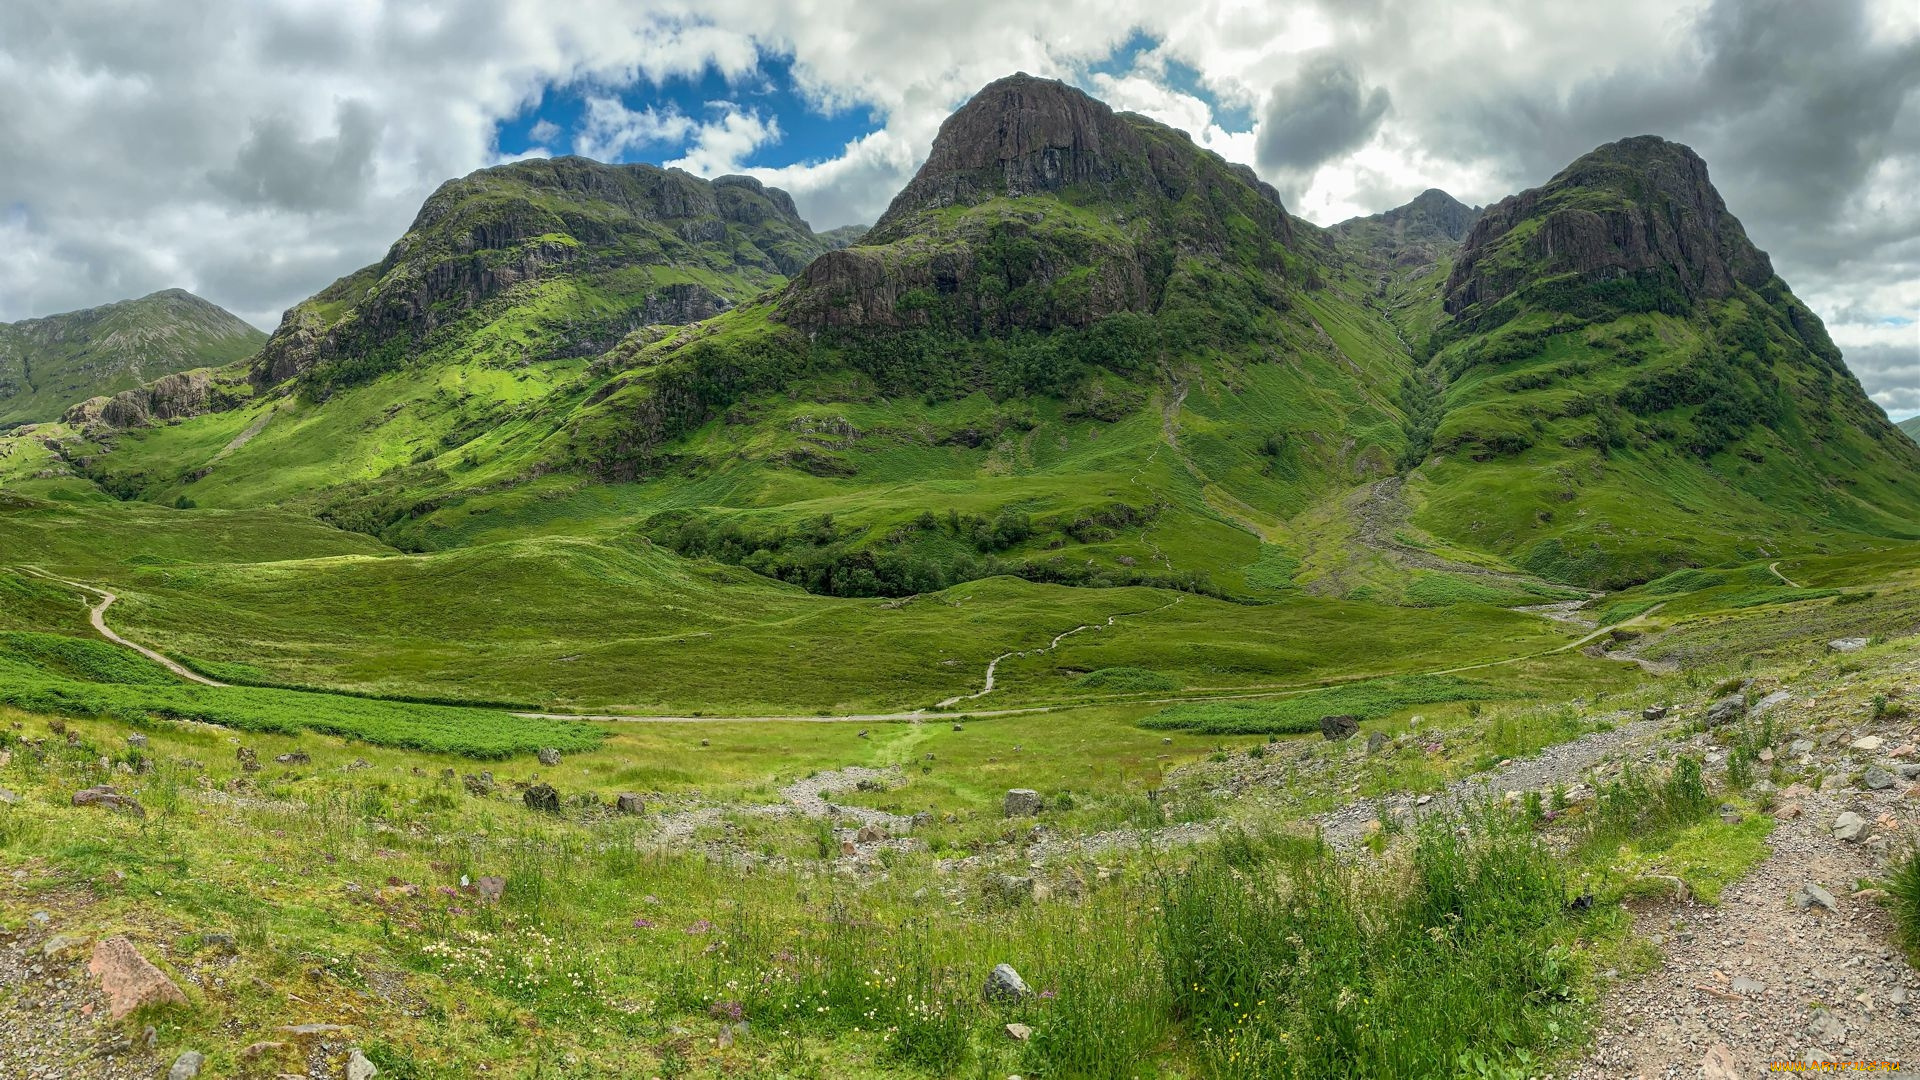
[1625,386]
[1911,426]
[543,259]
[1076,348]
[48,364]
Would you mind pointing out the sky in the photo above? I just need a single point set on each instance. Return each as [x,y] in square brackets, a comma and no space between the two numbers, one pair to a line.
[255,150]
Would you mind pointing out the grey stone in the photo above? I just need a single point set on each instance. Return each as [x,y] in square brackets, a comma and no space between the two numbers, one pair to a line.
[358,1067]
[1877,778]
[105,795]
[1005,984]
[187,1065]
[1909,770]
[1012,889]
[1828,1029]
[1811,894]
[1022,802]
[542,797]
[1770,702]
[1849,826]
[629,803]
[9,797]
[1376,742]
[1654,712]
[1339,728]
[137,741]
[1800,746]
[1727,709]
[478,786]
[295,757]
[1748,987]
[1847,644]
[548,756]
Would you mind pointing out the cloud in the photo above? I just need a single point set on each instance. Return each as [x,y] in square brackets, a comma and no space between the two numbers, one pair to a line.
[254,150]
[1319,114]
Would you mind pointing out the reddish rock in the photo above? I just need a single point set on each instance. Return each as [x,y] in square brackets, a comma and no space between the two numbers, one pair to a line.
[129,980]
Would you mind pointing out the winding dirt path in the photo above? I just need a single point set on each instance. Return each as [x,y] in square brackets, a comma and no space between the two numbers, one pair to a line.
[1774,569]
[994,665]
[97,616]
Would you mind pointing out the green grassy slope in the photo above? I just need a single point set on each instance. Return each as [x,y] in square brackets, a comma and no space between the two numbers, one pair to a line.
[1911,426]
[50,363]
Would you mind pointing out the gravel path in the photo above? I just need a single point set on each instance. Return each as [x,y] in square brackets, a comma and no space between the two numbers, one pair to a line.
[1757,980]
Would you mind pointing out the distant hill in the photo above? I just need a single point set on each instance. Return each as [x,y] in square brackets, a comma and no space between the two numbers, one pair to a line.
[1911,426]
[50,363]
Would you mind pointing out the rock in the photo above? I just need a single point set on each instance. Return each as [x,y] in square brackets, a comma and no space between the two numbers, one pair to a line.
[542,797]
[1787,811]
[871,834]
[1011,889]
[957,727]
[1719,1064]
[1654,712]
[1811,894]
[1005,984]
[249,761]
[1748,987]
[312,1031]
[490,888]
[8,797]
[1847,644]
[1876,779]
[629,803]
[137,741]
[1800,746]
[1770,702]
[1727,709]
[105,795]
[1339,728]
[548,756]
[60,944]
[1019,1032]
[1849,826]
[218,942]
[295,757]
[1376,742]
[1868,743]
[1908,770]
[1022,802]
[479,786]
[256,1051]
[129,980]
[358,1067]
[1828,1029]
[187,1065]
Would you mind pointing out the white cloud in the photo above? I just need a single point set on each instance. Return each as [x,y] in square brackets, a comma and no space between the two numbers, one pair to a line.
[609,129]
[719,147]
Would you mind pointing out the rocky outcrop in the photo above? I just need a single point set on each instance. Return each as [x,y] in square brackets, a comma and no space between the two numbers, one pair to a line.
[129,980]
[1641,204]
[172,397]
[1432,225]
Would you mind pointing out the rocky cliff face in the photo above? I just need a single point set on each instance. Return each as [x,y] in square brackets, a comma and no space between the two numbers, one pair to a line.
[47,364]
[1039,207]
[1638,205]
[171,397]
[1428,228]
[708,243]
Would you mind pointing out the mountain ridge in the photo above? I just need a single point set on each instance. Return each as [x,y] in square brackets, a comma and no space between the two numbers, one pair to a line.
[53,362]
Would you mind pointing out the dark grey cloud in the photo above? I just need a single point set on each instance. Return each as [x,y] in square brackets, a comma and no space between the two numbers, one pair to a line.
[277,167]
[1318,114]
[1891,372]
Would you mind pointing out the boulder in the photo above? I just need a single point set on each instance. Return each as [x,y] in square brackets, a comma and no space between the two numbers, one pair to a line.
[1654,712]
[1339,728]
[629,803]
[249,761]
[1876,779]
[1770,702]
[1847,644]
[1005,984]
[871,834]
[358,1067]
[478,786]
[1727,710]
[1377,742]
[548,756]
[1867,743]
[1849,826]
[542,797]
[104,795]
[137,741]
[1019,1032]
[1022,802]
[490,888]
[187,1065]
[296,757]
[129,980]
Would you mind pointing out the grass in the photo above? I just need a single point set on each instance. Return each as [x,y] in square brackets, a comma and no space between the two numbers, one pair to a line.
[1302,713]
[1903,891]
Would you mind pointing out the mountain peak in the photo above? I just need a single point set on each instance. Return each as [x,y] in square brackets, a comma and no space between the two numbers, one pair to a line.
[1641,206]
